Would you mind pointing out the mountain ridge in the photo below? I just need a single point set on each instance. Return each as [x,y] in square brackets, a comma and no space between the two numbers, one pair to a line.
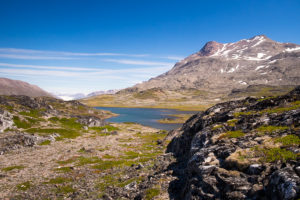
[218,72]
[17,87]
[209,67]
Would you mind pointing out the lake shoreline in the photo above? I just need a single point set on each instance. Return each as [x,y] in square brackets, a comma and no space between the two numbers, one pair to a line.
[148,116]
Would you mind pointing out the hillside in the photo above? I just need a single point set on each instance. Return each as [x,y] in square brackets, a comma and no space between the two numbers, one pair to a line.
[223,67]
[219,72]
[53,149]
[246,149]
[16,87]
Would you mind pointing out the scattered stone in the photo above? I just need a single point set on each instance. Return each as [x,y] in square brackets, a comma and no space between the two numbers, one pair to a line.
[6,121]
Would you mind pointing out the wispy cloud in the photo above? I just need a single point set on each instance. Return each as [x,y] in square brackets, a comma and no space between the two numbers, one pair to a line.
[138,62]
[76,71]
[177,58]
[46,67]
[94,70]
[16,53]
[41,54]
[36,57]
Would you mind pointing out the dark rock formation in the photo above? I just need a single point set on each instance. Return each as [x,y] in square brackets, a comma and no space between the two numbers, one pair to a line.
[15,141]
[247,149]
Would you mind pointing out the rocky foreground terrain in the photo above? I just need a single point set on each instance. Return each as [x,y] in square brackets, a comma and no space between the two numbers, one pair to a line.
[52,149]
[246,149]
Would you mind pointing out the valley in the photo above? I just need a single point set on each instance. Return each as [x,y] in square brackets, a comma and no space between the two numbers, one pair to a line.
[48,149]
[221,124]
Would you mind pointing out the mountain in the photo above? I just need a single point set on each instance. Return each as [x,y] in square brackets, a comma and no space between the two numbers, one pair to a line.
[16,87]
[219,72]
[102,92]
[68,97]
[223,67]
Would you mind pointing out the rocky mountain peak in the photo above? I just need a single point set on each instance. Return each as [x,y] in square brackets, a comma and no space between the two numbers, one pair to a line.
[210,48]
[227,66]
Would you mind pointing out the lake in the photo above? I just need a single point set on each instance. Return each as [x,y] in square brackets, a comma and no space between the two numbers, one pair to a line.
[145,116]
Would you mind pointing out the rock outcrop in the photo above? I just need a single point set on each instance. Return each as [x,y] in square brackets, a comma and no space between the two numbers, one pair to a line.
[6,121]
[247,149]
[27,121]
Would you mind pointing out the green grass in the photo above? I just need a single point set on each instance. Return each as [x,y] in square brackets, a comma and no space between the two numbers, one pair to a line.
[233,134]
[46,142]
[293,106]
[88,160]
[65,189]
[54,119]
[131,155]
[274,154]
[21,123]
[108,164]
[289,140]
[232,122]
[65,162]
[107,156]
[70,123]
[146,94]
[115,181]
[58,180]
[7,169]
[263,130]
[64,169]
[64,133]
[216,127]
[108,127]
[151,193]
[32,113]
[24,186]
[237,114]
[266,98]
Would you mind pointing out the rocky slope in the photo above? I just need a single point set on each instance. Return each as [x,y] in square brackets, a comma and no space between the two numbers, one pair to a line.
[52,149]
[217,73]
[223,67]
[246,149]
[16,87]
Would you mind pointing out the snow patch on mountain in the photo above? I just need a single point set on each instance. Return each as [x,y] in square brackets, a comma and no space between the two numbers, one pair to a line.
[292,49]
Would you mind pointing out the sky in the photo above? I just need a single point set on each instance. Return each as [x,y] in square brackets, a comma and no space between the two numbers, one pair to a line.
[81,46]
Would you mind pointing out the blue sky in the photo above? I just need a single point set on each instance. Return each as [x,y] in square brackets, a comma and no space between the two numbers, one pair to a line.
[75,46]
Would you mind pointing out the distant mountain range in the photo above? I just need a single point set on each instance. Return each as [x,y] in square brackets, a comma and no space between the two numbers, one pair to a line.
[67,97]
[16,87]
[218,72]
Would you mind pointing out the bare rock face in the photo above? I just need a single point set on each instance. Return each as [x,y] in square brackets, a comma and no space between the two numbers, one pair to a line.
[16,87]
[90,121]
[246,149]
[15,141]
[223,67]
[6,121]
